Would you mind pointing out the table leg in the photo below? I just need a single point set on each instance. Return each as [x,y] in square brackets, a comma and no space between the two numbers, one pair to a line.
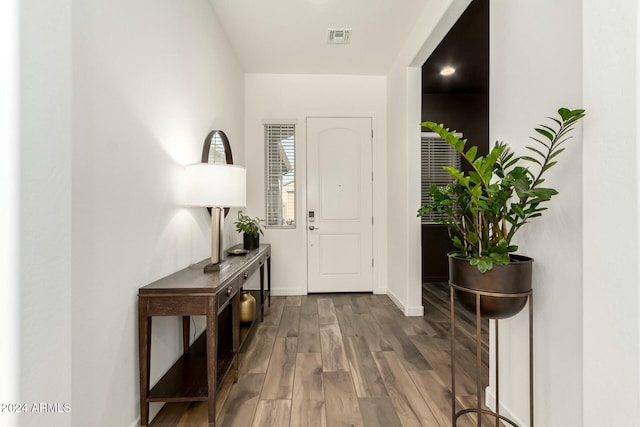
[235,330]
[262,293]
[185,333]
[212,358]
[269,280]
[144,353]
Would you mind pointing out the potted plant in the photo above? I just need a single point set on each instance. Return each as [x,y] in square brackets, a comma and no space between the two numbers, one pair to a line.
[251,229]
[484,208]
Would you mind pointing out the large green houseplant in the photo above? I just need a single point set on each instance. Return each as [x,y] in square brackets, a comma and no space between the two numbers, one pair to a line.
[485,207]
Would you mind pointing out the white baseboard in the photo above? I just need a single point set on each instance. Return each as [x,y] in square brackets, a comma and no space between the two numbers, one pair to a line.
[379,291]
[414,311]
[395,299]
[407,310]
[490,401]
[298,292]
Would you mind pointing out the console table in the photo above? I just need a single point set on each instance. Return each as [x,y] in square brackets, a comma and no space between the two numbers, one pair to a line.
[205,363]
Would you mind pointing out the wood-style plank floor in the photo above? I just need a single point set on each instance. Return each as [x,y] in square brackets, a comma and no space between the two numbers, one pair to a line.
[347,360]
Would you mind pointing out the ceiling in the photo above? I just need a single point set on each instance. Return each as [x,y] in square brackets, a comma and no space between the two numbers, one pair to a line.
[290,36]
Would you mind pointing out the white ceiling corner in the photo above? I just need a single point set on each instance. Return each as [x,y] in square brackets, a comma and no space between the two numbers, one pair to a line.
[290,36]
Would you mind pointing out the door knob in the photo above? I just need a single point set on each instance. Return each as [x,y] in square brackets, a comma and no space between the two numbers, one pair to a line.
[312,227]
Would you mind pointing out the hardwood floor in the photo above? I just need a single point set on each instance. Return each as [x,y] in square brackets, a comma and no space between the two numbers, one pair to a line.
[347,360]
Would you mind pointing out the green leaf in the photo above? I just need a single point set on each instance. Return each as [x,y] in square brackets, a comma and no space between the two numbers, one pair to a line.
[548,135]
[553,132]
[555,120]
[485,264]
[511,220]
[548,165]
[500,259]
[531,159]
[455,173]
[539,141]
[536,151]
[556,152]
[518,210]
[546,193]
[471,153]
[564,113]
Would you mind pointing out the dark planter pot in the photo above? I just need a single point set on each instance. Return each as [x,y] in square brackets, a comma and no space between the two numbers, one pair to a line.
[507,279]
[251,242]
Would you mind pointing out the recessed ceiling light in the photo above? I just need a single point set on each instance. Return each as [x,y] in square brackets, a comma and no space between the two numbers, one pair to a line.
[447,71]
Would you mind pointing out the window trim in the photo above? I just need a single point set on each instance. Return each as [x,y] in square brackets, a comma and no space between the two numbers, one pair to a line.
[280,123]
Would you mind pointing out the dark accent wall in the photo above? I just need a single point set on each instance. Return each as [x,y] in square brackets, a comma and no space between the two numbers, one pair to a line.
[462,104]
[467,113]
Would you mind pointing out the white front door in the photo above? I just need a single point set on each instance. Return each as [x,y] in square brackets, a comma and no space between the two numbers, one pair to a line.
[339,205]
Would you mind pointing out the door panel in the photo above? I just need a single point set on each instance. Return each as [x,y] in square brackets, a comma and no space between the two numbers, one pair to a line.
[339,193]
[338,175]
[339,254]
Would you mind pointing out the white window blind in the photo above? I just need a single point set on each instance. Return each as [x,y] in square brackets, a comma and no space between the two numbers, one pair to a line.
[435,153]
[280,182]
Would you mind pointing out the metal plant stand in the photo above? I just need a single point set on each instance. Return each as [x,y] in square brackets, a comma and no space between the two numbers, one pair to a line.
[478,409]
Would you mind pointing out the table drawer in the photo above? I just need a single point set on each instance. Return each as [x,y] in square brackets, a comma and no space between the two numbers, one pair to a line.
[256,264]
[228,292]
[173,305]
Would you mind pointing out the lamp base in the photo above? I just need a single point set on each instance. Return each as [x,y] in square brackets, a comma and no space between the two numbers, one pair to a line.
[211,268]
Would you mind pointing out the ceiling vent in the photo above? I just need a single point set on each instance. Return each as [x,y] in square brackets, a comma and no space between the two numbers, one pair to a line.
[339,35]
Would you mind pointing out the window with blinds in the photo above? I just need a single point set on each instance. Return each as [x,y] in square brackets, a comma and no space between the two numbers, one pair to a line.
[280,179]
[435,153]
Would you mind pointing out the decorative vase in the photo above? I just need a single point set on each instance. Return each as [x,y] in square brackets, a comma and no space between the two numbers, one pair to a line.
[512,278]
[251,242]
[247,307]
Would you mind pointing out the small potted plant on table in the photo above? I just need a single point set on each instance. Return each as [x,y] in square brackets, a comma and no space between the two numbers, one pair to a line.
[251,229]
[485,207]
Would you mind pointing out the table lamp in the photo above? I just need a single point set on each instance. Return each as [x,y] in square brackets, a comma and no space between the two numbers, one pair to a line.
[216,186]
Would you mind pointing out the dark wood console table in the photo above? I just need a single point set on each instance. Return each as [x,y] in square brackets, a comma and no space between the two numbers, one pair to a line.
[206,362]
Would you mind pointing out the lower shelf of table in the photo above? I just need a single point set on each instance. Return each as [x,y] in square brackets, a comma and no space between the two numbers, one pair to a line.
[247,328]
[186,380]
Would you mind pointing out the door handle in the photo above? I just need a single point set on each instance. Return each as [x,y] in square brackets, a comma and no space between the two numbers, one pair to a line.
[312,227]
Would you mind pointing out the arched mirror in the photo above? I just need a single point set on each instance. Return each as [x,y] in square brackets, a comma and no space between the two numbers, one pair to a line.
[216,149]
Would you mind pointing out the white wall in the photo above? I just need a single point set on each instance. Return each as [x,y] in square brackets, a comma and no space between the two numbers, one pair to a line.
[10,202]
[534,72]
[275,96]
[45,208]
[151,78]
[610,227]
[403,160]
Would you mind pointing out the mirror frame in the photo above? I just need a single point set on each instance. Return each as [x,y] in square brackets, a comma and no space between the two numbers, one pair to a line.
[206,148]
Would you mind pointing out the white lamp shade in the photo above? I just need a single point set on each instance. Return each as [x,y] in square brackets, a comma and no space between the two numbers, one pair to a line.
[215,185]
